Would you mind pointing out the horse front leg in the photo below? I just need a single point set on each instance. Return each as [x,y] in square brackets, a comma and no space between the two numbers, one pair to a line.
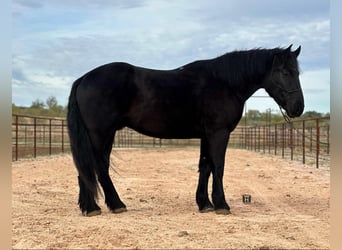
[205,167]
[217,145]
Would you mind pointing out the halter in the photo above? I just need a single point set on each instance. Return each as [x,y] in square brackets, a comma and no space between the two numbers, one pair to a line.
[288,92]
[286,117]
[285,90]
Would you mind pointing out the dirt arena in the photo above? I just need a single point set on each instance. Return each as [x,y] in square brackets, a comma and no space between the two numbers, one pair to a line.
[289,208]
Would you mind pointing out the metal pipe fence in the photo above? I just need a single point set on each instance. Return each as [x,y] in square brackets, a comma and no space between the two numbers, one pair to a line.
[305,140]
[34,136]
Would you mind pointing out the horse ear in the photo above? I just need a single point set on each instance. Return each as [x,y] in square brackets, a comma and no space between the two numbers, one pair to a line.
[280,58]
[288,50]
[297,51]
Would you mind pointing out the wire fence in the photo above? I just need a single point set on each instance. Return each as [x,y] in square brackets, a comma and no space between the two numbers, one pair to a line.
[305,140]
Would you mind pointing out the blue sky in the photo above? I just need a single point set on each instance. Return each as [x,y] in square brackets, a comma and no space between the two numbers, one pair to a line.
[55,42]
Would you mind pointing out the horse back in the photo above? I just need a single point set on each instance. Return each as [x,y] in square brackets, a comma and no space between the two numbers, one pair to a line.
[167,103]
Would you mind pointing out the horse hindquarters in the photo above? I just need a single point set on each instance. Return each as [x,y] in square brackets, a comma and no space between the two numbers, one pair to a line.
[91,148]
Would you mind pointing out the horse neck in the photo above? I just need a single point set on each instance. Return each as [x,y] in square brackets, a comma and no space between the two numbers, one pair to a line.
[243,72]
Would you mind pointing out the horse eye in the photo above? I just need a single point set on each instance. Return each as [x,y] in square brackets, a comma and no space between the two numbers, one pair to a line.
[285,72]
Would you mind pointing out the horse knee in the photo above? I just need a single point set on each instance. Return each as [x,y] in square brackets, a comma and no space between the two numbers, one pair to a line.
[204,166]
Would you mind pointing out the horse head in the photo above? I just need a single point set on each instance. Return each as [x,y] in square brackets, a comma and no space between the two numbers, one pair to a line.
[282,83]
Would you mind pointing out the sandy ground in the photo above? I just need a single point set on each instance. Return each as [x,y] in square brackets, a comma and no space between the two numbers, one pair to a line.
[289,208]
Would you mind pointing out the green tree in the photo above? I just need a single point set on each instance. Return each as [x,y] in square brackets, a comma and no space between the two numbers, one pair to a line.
[311,114]
[254,115]
[51,102]
[37,104]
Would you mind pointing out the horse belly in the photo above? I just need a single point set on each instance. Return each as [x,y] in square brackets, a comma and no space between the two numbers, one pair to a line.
[167,134]
[167,125]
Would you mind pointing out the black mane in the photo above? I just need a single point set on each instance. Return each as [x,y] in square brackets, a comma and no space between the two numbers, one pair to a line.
[243,66]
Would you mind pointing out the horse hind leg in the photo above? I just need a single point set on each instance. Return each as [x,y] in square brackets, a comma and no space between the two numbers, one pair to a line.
[86,200]
[112,198]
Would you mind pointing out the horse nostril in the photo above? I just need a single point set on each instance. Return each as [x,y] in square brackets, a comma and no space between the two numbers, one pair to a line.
[299,108]
[295,109]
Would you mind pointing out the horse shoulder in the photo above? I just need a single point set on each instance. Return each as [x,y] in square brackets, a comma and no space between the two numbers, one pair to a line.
[220,109]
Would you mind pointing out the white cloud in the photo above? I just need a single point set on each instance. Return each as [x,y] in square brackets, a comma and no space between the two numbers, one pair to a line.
[316,82]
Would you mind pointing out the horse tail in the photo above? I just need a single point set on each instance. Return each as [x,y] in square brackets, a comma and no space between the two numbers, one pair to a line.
[80,143]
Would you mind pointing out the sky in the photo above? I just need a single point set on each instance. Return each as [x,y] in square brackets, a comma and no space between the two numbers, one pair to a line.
[54,42]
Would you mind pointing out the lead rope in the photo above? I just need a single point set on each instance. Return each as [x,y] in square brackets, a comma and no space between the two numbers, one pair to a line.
[286,117]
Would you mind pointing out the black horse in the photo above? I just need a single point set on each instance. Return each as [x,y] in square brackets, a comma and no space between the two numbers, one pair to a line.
[203,99]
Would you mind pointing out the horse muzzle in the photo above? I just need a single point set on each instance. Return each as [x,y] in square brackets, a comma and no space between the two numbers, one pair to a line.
[295,108]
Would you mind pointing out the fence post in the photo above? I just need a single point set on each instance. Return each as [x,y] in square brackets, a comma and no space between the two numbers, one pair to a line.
[25,135]
[310,139]
[16,138]
[255,138]
[269,138]
[264,139]
[303,142]
[248,138]
[50,132]
[275,139]
[62,136]
[35,137]
[328,139]
[317,142]
[283,141]
[258,138]
[44,135]
[291,140]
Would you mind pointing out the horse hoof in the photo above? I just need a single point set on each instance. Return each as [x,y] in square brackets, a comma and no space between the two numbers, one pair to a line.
[92,213]
[119,210]
[206,210]
[222,211]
